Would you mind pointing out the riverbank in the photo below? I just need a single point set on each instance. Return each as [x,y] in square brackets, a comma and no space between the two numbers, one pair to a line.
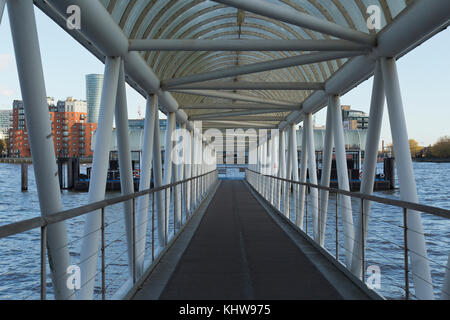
[29,160]
[436,160]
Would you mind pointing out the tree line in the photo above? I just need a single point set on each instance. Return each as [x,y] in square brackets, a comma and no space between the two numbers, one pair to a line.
[439,150]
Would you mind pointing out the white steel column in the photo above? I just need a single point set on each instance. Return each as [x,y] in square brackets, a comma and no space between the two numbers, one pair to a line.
[182,167]
[151,113]
[370,163]
[202,170]
[32,85]
[97,184]
[267,168]
[126,172]
[195,170]
[287,198]
[303,168]
[408,191]
[282,168]
[342,172]
[260,154]
[294,166]
[168,165]
[327,155]
[2,7]
[204,167]
[176,167]
[264,167]
[200,167]
[158,179]
[313,193]
[261,170]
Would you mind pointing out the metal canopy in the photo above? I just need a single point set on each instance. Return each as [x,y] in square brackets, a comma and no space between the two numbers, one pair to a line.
[217,36]
[233,34]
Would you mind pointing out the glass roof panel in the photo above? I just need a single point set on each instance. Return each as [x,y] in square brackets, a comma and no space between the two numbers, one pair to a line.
[396,6]
[170,19]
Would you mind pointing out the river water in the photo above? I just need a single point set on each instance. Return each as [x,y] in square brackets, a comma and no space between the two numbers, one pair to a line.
[19,255]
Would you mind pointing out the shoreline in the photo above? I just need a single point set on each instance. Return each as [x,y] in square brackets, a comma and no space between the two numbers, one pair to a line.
[30,161]
[435,160]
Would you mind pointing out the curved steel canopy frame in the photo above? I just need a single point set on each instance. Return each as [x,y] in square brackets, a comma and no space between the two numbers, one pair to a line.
[213,21]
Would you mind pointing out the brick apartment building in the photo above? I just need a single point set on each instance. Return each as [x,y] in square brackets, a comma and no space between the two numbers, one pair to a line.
[70,130]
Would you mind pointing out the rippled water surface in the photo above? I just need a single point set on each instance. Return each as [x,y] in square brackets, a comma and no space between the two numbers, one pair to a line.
[19,255]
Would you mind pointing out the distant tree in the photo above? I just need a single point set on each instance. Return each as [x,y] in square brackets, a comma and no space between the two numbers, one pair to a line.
[414,147]
[441,149]
[2,146]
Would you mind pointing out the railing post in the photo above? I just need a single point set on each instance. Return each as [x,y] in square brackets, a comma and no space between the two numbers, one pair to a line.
[43,262]
[405,253]
[173,213]
[337,227]
[102,228]
[182,204]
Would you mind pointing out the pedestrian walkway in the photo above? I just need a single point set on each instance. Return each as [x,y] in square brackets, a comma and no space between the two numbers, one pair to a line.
[240,252]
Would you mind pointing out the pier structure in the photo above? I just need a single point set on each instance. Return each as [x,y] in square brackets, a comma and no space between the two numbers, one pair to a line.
[252,65]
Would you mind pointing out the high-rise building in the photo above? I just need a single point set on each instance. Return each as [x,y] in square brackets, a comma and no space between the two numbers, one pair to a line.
[5,123]
[94,85]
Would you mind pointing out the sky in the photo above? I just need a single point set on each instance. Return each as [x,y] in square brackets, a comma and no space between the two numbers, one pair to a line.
[424,79]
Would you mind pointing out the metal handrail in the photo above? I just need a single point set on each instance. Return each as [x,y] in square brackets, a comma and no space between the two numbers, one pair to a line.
[43,222]
[39,222]
[444,213]
[404,205]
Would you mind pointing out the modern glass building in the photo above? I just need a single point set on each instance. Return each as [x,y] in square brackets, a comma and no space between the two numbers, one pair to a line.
[94,84]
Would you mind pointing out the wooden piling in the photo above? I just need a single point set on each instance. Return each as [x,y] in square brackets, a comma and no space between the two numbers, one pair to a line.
[24,175]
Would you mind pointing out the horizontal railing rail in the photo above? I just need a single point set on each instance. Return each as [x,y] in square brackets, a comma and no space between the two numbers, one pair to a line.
[444,213]
[387,243]
[178,201]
